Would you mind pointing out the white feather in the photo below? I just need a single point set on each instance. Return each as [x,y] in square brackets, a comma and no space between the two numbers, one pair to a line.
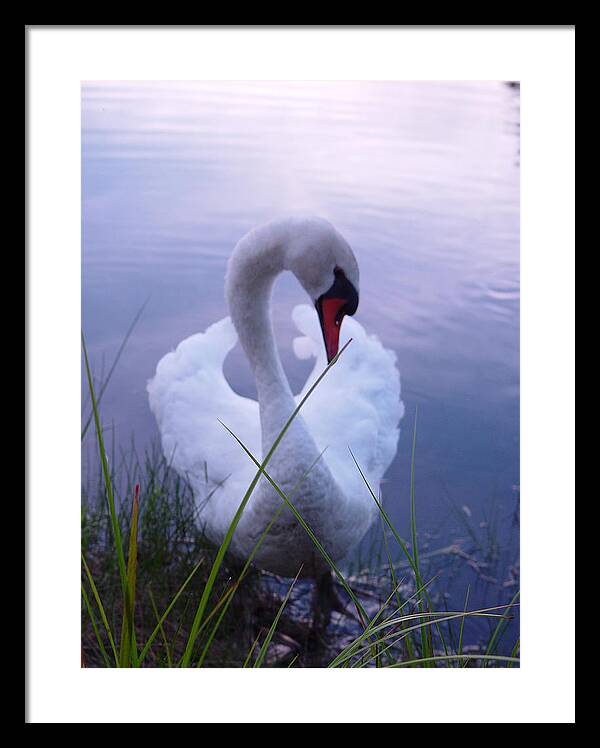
[356,407]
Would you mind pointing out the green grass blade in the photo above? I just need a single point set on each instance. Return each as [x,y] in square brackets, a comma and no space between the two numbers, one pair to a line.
[500,629]
[426,647]
[251,650]
[94,626]
[114,365]
[101,609]
[515,650]
[180,624]
[387,520]
[106,475]
[369,629]
[445,658]
[223,601]
[411,561]
[128,653]
[236,586]
[169,608]
[413,517]
[265,646]
[162,631]
[395,583]
[462,623]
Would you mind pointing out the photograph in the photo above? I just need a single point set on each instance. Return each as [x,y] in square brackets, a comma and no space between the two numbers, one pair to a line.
[300,390]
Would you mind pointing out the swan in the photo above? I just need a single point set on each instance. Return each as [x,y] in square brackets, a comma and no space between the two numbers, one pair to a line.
[356,405]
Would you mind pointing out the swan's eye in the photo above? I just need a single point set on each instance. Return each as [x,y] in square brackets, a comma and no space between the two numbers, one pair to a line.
[343,289]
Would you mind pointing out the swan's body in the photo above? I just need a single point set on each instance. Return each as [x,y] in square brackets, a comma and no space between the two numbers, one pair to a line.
[357,405]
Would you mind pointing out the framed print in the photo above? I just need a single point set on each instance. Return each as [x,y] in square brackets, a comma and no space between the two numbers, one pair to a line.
[299,390]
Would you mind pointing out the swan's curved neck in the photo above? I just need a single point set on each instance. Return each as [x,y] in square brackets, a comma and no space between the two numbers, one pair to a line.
[253,267]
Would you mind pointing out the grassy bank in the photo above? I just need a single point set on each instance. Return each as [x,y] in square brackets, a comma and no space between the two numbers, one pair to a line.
[156,593]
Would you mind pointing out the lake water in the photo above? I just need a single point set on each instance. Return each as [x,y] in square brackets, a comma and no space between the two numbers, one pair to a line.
[421,178]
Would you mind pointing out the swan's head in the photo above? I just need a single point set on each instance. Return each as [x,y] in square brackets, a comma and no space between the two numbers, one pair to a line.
[326,267]
[332,306]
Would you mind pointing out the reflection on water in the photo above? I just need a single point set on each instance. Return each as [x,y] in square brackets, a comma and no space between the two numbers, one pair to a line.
[421,178]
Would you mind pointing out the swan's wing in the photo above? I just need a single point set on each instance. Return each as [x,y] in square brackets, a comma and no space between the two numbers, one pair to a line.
[188,396]
[356,405]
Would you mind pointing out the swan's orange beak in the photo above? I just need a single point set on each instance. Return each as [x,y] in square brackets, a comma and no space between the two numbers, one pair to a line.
[331,314]
[332,307]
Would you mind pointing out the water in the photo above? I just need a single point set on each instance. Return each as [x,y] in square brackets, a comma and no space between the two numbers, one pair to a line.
[423,181]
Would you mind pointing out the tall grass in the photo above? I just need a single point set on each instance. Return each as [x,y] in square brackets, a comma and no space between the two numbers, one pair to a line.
[210,607]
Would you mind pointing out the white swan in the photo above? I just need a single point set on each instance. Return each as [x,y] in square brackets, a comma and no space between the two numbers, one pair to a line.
[357,404]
